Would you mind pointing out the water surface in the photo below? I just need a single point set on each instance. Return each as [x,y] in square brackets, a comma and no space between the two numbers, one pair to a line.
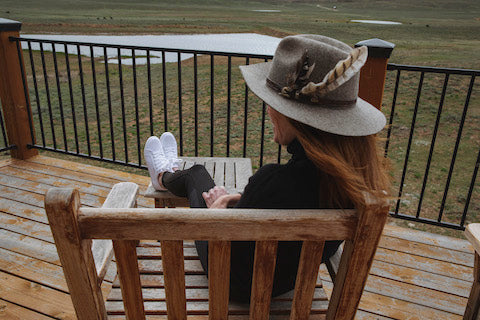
[250,43]
[376,21]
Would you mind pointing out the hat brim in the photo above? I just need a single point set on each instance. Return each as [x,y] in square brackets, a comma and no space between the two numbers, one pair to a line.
[358,119]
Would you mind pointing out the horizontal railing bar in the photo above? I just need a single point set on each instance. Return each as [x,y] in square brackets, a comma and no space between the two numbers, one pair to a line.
[130,47]
[469,72]
[426,221]
[8,148]
[217,224]
[390,66]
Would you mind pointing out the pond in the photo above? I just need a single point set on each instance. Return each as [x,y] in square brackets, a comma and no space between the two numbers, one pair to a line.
[250,43]
[376,22]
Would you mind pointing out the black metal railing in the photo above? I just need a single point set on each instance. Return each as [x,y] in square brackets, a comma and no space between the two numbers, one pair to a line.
[105,110]
[430,136]
[4,144]
[172,93]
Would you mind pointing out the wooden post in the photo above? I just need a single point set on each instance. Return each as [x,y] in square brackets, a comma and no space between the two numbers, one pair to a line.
[75,253]
[357,259]
[372,75]
[16,104]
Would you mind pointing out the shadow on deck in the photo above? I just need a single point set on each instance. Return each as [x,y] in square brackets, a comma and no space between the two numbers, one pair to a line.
[415,275]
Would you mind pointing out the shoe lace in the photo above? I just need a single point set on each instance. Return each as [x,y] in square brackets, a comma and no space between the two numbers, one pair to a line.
[170,149]
[158,160]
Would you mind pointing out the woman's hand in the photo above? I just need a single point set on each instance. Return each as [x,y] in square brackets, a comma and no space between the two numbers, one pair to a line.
[218,197]
[213,194]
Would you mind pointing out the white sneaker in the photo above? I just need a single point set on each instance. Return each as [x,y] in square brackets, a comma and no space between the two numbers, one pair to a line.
[169,145]
[156,160]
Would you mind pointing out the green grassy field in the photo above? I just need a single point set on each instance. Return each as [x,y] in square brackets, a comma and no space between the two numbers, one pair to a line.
[440,33]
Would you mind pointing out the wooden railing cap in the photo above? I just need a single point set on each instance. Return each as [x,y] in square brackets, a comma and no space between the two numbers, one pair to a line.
[9,25]
[377,48]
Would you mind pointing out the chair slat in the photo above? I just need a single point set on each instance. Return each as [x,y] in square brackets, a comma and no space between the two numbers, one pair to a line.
[218,278]
[174,277]
[262,283]
[230,182]
[219,176]
[310,259]
[127,266]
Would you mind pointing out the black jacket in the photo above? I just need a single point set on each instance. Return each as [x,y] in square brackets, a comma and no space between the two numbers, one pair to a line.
[293,185]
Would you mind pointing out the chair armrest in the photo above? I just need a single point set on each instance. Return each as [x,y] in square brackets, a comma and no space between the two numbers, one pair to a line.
[472,232]
[122,195]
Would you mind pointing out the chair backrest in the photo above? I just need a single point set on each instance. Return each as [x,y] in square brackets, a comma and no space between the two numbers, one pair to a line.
[74,228]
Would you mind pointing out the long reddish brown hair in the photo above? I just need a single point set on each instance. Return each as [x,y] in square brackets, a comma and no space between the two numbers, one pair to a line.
[349,165]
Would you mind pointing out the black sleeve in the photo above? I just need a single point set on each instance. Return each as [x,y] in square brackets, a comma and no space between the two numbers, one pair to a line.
[260,188]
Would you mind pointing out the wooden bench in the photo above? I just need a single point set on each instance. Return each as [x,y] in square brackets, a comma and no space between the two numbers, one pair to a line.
[232,173]
[74,228]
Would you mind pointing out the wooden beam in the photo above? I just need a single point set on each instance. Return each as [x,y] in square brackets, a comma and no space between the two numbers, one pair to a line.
[14,92]
[75,253]
[357,259]
[218,224]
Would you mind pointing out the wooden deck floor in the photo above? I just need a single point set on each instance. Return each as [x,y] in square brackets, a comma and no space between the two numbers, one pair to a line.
[415,275]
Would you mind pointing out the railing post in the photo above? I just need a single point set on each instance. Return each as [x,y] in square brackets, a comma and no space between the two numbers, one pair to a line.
[372,75]
[13,94]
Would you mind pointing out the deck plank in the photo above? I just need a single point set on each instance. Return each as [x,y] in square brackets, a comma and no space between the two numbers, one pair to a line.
[120,176]
[36,297]
[432,239]
[391,307]
[425,250]
[426,264]
[12,311]
[29,246]
[23,210]
[421,278]
[48,274]
[420,296]
[26,227]
[58,177]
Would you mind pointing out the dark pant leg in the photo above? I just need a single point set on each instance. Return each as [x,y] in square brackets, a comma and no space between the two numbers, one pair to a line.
[191,183]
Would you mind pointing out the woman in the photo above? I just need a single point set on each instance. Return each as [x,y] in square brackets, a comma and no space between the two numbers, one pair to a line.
[311,89]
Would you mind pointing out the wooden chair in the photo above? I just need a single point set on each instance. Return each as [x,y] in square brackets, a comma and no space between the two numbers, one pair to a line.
[472,232]
[74,228]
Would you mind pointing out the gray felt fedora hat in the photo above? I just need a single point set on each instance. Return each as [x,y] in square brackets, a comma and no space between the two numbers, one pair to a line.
[314,79]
